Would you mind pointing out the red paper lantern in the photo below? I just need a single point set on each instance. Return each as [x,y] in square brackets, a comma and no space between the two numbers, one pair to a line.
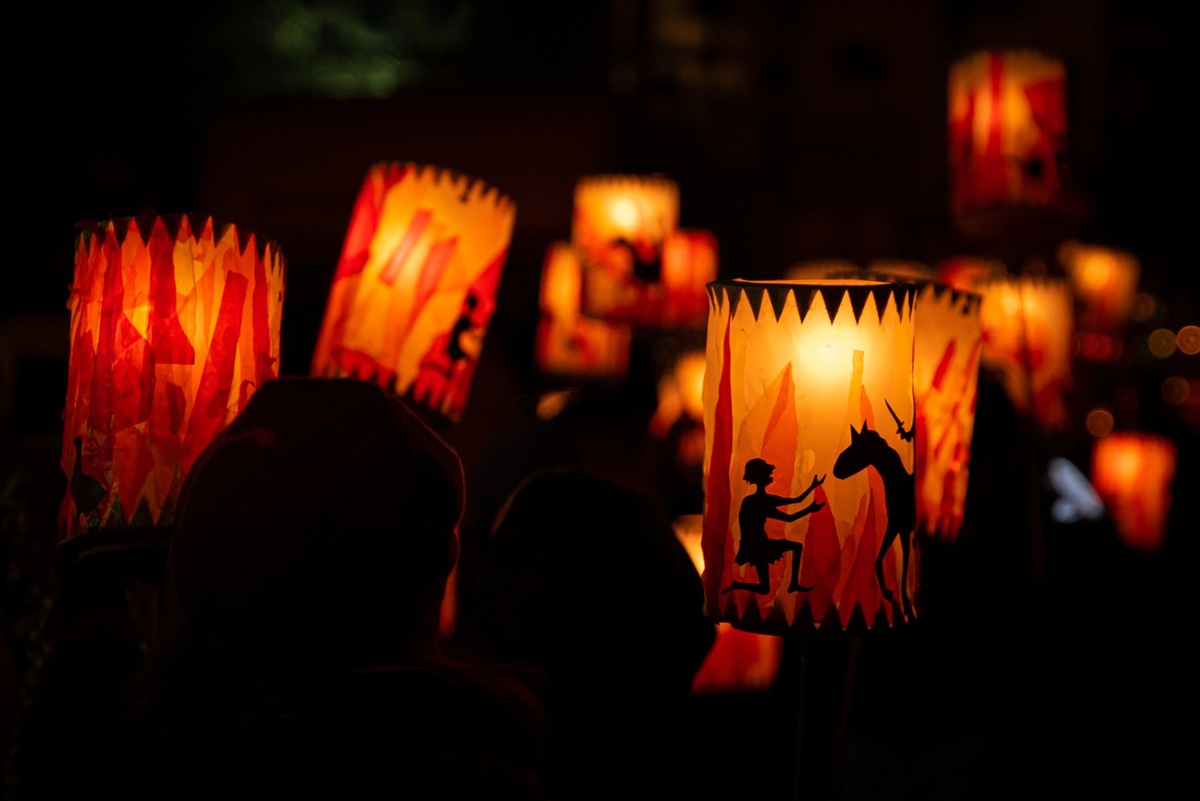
[568,343]
[1104,281]
[415,287]
[174,324]
[1007,130]
[1132,473]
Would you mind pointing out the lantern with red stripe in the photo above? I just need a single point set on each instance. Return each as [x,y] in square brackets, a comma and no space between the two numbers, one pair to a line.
[567,342]
[415,286]
[1007,130]
[809,508]
[175,323]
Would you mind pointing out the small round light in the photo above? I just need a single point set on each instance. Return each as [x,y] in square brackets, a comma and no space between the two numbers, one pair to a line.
[1188,339]
[1161,342]
[1099,422]
[1175,390]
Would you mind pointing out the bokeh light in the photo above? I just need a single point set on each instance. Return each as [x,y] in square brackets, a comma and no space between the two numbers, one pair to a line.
[1188,339]
[1099,422]
[1161,342]
[1175,390]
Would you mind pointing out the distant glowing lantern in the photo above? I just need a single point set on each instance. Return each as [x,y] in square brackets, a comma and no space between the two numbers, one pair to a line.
[689,263]
[568,343]
[1027,324]
[1007,130]
[966,273]
[415,287]
[621,224]
[1104,281]
[902,269]
[810,492]
[175,323]
[680,393]
[1132,473]
[739,661]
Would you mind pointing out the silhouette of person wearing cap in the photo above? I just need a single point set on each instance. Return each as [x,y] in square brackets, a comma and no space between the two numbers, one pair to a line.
[756,548]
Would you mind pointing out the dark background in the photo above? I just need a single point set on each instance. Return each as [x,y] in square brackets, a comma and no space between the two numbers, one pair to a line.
[795,130]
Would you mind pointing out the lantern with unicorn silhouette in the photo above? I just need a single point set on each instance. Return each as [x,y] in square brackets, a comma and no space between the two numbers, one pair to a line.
[810,496]
[415,287]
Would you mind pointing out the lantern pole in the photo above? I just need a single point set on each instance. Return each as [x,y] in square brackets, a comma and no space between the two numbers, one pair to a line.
[822,731]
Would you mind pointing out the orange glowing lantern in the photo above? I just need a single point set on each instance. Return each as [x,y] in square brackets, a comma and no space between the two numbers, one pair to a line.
[1007,130]
[689,263]
[966,273]
[810,494]
[621,224]
[1027,323]
[946,357]
[415,287]
[175,323]
[739,661]
[567,343]
[1105,282]
[1132,473]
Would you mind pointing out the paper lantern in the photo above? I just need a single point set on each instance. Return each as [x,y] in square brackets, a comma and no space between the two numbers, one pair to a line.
[1104,281]
[739,661]
[810,495]
[568,343]
[947,349]
[1007,130]
[620,224]
[415,286]
[1027,324]
[967,273]
[174,324]
[1132,473]
[689,263]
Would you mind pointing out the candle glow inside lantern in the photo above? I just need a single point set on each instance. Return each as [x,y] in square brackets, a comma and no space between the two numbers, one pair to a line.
[1007,129]
[175,323]
[810,495]
[1027,324]
[1104,281]
[1132,473]
[567,342]
[415,286]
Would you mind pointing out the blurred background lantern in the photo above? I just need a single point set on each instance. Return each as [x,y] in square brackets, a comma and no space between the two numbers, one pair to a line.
[1132,473]
[1027,325]
[1007,120]
[415,286]
[1104,281]
[568,343]
[739,661]
[620,224]
[175,323]
[798,385]
[966,272]
[689,263]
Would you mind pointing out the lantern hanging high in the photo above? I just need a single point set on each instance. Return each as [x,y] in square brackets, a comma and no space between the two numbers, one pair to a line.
[1027,325]
[1007,121]
[810,495]
[415,286]
[175,323]
[567,343]
[1132,473]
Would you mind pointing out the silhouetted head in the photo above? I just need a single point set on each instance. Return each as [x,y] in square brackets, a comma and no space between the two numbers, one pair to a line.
[588,578]
[759,472]
[322,519]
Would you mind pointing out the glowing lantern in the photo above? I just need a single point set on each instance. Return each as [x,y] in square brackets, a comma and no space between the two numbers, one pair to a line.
[1104,281]
[1007,130]
[680,394]
[966,273]
[174,324]
[738,661]
[415,286]
[1132,474]
[567,343]
[689,263]
[620,224]
[946,356]
[1027,323]
[810,494]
